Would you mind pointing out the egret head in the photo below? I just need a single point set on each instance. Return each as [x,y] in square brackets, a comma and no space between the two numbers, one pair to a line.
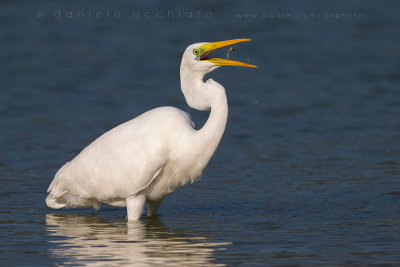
[197,58]
[197,62]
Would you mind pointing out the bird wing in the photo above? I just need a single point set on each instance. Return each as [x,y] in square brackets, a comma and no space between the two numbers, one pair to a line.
[118,164]
[140,190]
[124,161]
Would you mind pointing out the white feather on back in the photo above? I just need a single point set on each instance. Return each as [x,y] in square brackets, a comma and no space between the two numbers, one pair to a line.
[122,161]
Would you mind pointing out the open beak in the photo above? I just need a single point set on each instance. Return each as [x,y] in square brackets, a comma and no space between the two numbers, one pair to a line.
[207,48]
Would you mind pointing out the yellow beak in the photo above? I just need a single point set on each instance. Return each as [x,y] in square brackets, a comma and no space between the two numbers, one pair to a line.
[207,48]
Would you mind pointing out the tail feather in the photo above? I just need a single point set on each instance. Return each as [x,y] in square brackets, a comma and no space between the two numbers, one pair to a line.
[53,203]
[66,199]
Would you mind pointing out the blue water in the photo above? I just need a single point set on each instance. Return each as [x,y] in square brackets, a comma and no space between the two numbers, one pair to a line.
[307,173]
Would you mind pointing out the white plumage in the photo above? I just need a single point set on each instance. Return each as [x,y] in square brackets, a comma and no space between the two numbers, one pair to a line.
[148,157]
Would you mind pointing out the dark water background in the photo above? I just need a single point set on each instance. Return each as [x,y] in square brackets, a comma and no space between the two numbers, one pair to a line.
[307,172]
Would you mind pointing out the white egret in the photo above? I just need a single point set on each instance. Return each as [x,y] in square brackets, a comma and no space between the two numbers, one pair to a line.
[147,158]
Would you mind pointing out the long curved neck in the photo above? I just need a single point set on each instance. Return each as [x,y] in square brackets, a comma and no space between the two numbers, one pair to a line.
[206,95]
[211,133]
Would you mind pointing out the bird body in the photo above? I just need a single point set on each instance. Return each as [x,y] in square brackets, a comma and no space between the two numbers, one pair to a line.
[147,158]
[123,161]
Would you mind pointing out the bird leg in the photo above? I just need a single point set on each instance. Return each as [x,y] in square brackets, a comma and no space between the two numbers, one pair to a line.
[134,206]
[152,207]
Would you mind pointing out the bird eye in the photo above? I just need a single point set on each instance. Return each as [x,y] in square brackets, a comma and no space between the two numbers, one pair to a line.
[196,51]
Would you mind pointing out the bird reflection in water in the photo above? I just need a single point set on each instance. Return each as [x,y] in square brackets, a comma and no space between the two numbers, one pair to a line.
[94,241]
